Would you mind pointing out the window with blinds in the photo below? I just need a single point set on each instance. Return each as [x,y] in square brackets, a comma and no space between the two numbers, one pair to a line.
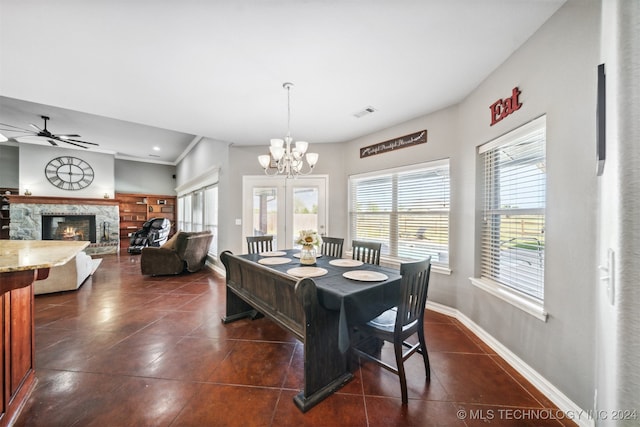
[405,209]
[514,202]
[198,211]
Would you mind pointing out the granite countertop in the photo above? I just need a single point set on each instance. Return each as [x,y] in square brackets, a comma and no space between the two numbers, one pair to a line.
[21,255]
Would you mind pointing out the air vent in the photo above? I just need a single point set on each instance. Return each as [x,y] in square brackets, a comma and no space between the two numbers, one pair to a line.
[366,111]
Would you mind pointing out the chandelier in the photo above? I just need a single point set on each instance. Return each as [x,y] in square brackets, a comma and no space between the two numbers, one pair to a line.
[289,160]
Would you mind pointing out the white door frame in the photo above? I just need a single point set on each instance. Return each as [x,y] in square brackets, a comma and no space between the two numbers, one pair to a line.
[284,187]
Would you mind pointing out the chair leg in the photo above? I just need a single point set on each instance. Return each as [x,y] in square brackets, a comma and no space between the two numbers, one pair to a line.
[425,354]
[400,365]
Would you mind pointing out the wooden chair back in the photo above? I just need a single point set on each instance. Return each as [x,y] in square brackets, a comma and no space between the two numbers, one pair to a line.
[257,244]
[332,246]
[401,322]
[368,252]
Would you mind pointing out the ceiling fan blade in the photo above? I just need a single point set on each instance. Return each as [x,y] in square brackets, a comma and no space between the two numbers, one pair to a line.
[52,142]
[73,143]
[82,142]
[14,128]
[35,127]
[67,136]
[18,133]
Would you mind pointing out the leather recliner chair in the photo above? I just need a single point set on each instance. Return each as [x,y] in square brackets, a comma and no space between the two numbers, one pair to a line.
[154,233]
[184,252]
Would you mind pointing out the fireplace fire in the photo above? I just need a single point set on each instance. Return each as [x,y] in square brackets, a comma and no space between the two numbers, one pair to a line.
[69,227]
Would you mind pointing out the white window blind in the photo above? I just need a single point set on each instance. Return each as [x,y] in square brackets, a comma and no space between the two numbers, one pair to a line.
[211,216]
[198,211]
[405,209]
[514,209]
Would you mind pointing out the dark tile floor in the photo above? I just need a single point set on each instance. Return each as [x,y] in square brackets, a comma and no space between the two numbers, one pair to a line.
[129,350]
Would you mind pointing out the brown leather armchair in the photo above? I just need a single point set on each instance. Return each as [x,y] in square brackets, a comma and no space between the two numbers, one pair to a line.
[185,251]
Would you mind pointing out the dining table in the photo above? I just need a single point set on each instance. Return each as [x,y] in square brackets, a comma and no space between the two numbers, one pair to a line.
[358,291]
[320,304]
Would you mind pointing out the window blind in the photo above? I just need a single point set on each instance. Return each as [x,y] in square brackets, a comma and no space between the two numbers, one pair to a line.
[406,209]
[514,209]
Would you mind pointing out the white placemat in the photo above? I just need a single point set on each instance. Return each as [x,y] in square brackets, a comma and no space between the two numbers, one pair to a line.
[274,261]
[307,271]
[272,253]
[343,262]
[365,275]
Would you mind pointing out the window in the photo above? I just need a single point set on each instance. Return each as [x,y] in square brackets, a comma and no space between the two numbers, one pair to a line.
[198,211]
[513,214]
[405,209]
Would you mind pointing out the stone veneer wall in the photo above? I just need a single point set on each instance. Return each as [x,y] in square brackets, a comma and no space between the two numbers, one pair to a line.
[26,223]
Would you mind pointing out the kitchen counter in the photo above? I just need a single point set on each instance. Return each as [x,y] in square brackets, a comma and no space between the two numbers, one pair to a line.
[21,255]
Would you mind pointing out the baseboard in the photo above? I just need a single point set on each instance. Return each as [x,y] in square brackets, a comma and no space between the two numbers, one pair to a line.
[566,405]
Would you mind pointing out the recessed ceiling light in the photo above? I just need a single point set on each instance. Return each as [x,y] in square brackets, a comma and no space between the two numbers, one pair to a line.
[156,148]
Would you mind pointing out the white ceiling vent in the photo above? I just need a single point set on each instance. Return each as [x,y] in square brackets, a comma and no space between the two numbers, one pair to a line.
[366,111]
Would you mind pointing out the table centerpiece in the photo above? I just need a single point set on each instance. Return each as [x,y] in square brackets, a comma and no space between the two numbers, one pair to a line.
[310,240]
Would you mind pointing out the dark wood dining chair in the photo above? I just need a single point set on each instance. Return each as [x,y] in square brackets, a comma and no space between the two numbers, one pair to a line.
[368,252]
[332,246]
[259,244]
[401,322]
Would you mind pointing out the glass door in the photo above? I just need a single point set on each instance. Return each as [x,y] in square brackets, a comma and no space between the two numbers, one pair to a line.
[282,207]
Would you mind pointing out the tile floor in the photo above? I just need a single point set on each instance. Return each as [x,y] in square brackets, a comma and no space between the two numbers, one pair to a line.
[129,350]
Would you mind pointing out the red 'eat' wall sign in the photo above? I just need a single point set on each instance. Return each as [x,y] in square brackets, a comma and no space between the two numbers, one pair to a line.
[503,107]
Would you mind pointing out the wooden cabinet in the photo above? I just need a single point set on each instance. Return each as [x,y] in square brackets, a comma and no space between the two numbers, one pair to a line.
[18,372]
[5,201]
[135,209]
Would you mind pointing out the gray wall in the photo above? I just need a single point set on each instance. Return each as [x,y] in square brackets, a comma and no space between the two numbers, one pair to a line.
[9,174]
[556,72]
[139,177]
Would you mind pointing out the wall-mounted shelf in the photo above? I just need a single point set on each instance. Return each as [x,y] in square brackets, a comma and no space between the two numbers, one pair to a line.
[135,209]
[5,215]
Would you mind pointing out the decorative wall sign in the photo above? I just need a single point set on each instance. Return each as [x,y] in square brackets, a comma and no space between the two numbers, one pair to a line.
[503,107]
[394,144]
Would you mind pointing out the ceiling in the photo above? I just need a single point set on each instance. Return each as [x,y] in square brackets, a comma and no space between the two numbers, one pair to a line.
[133,75]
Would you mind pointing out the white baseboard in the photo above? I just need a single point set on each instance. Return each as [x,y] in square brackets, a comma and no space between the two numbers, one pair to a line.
[566,405]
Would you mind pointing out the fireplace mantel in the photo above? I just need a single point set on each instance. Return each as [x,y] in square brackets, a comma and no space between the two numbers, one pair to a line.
[60,200]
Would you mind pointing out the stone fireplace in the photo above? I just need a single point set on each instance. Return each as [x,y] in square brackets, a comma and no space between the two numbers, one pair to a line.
[57,218]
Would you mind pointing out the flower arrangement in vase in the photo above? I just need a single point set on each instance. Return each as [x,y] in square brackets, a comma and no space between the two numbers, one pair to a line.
[309,239]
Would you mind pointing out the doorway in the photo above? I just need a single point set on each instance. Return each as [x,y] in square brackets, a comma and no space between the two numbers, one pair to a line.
[282,207]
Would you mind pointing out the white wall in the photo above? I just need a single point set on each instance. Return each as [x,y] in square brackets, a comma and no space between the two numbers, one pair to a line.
[618,375]
[34,158]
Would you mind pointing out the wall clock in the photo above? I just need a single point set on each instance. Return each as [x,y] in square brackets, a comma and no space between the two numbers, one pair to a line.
[69,173]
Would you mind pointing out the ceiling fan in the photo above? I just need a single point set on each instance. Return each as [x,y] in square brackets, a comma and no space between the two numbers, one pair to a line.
[45,133]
